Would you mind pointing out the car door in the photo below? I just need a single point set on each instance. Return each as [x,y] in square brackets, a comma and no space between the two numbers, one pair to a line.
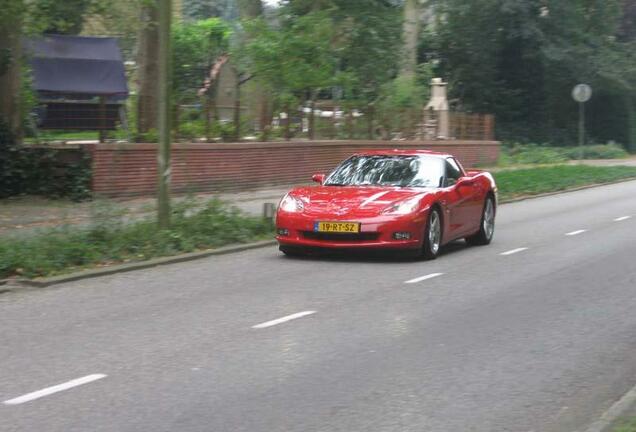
[459,201]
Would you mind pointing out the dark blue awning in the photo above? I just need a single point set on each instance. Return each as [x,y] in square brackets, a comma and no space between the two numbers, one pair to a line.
[77,65]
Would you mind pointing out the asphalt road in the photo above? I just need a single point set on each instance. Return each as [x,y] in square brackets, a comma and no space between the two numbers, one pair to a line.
[543,339]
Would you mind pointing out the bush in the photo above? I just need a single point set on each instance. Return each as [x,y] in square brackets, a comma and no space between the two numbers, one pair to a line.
[531,154]
[538,180]
[192,130]
[606,151]
[109,239]
[526,154]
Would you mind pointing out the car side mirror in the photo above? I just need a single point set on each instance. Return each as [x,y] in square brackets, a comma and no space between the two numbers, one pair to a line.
[318,178]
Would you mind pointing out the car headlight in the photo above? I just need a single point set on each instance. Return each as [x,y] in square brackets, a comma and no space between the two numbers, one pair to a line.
[291,204]
[404,207]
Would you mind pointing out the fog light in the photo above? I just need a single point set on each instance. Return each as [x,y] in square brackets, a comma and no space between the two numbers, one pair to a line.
[402,236]
[283,232]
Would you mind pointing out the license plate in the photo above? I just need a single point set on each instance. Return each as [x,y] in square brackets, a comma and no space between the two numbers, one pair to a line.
[337,227]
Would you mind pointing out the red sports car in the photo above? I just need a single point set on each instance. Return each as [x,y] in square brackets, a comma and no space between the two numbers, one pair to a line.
[416,201]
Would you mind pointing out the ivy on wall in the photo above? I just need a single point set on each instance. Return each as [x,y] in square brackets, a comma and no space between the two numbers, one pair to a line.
[43,171]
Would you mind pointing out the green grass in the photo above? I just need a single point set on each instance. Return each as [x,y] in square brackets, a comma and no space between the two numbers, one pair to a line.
[534,181]
[110,240]
[628,425]
[525,154]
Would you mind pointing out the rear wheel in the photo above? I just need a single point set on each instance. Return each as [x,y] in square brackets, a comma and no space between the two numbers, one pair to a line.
[487,227]
[432,235]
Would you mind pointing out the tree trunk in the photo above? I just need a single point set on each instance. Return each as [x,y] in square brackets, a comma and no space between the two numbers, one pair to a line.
[237,110]
[148,69]
[410,36]
[259,105]
[312,119]
[10,43]
[287,122]
[250,9]
[370,125]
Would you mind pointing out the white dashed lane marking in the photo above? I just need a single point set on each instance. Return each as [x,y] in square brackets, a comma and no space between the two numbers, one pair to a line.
[622,218]
[514,251]
[283,319]
[54,389]
[423,278]
[574,233]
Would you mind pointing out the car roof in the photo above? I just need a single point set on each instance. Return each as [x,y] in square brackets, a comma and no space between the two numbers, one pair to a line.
[401,152]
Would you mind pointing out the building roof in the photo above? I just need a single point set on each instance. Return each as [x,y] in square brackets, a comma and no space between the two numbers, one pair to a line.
[77,65]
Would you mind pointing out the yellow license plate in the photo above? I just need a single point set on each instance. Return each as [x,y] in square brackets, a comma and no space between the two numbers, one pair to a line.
[337,227]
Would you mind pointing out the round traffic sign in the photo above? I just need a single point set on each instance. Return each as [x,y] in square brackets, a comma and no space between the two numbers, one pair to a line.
[582,93]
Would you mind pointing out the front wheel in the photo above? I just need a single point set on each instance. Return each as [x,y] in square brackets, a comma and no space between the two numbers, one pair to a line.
[432,235]
[487,226]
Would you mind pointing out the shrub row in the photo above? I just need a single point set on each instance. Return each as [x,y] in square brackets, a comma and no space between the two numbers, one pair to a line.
[110,239]
[526,154]
[41,171]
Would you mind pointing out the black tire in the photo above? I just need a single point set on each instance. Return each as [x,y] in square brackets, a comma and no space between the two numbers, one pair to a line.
[486,231]
[432,243]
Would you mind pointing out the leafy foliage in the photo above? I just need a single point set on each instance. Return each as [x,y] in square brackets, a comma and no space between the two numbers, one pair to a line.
[110,240]
[525,154]
[39,171]
[59,17]
[196,46]
[520,59]
[195,10]
[533,181]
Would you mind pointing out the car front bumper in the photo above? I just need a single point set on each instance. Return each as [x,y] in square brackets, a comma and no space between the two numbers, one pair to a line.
[375,232]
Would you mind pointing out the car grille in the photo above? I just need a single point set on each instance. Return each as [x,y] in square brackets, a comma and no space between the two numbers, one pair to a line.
[337,237]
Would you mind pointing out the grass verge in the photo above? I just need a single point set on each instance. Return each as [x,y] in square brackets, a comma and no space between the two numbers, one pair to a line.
[111,240]
[628,425]
[535,181]
[527,154]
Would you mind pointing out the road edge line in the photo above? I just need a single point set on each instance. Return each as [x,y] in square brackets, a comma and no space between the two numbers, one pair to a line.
[614,413]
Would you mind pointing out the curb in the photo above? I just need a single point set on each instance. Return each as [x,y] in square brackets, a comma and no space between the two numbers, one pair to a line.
[20,284]
[614,413]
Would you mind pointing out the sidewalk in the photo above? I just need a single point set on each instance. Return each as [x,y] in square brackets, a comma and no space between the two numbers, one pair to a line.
[26,215]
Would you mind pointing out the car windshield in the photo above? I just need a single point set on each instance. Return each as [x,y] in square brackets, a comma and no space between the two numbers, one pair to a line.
[388,170]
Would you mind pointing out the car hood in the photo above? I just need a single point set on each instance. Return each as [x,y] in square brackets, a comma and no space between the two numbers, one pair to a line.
[353,201]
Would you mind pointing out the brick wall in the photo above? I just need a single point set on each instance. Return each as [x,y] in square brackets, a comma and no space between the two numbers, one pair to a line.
[121,170]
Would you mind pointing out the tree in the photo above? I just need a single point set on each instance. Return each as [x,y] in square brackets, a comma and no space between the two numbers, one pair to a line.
[196,47]
[411,34]
[117,18]
[11,17]
[295,61]
[60,17]
[148,68]
[195,10]
[250,9]
[520,59]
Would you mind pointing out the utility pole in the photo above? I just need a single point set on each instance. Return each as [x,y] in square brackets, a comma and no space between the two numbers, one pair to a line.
[165,136]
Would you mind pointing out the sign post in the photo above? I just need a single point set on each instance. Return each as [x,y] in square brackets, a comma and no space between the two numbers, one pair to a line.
[581,94]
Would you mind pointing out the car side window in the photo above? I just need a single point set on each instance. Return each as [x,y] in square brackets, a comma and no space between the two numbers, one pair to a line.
[453,172]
